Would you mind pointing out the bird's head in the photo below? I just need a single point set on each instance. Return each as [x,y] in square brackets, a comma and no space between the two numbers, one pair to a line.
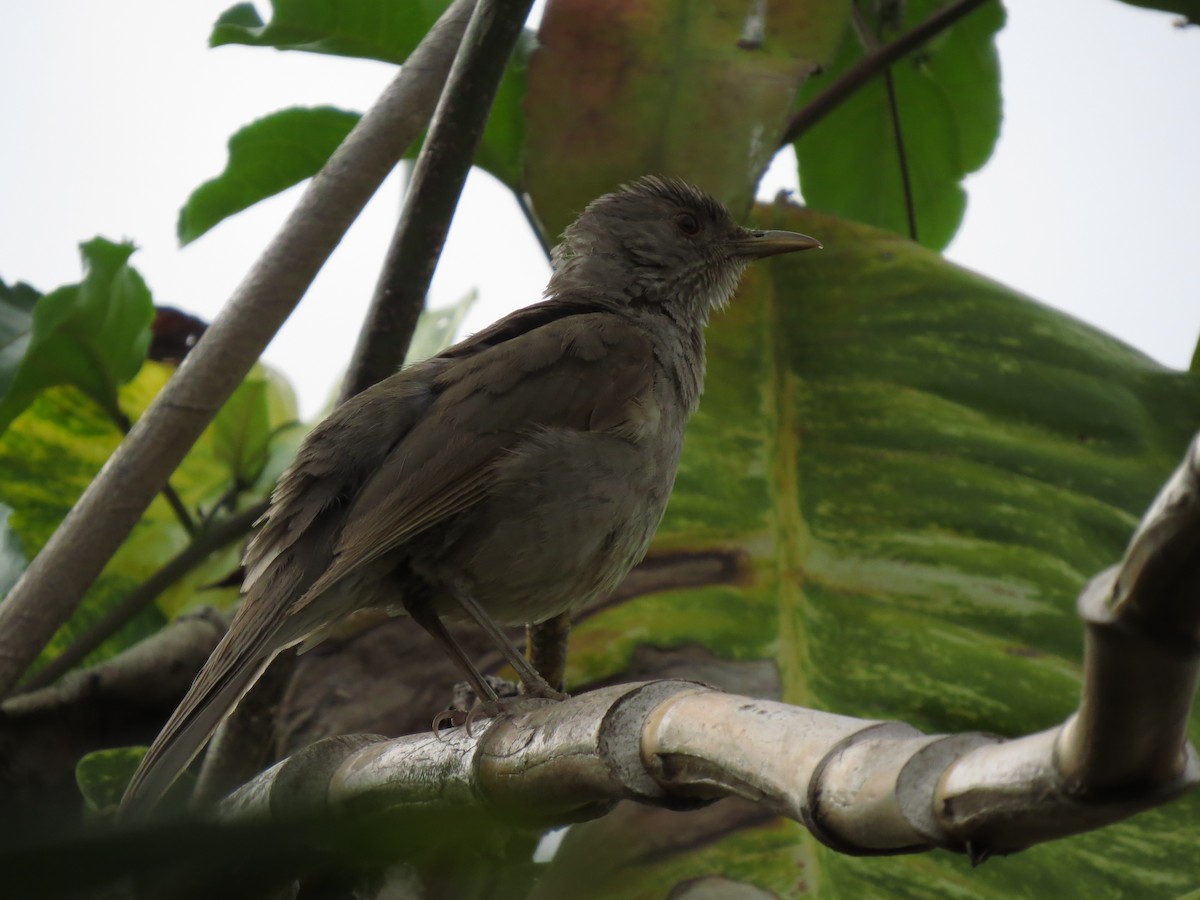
[661,241]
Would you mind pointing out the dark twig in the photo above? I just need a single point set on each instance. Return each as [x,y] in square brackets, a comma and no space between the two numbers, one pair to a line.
[205,543]
[181,512]
[910,206]
[871,42]
[534,225]
[51,588]
[434,189]
[169,493]
[872,64]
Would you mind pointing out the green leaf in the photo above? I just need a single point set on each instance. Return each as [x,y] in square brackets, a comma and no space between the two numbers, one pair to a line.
[244,427]
[359,28]
[285,153]
[906,473]
[617,91]
[266,157]
[436,328]
[51,453]
[103,774]
[92,335]
[281,150]
[948,97]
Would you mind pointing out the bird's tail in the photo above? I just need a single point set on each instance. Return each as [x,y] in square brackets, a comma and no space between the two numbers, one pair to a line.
[224,680]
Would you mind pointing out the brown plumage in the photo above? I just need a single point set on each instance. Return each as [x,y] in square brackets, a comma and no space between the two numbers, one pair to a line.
[517,475]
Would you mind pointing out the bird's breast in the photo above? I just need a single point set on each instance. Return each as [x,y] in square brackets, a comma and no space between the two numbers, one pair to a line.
[571,513]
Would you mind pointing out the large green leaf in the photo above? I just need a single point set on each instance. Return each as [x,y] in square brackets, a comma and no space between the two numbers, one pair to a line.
[283,149]
[363,28]
[948,99]
[617,91]
[266,157]
[910,472]
[91,335]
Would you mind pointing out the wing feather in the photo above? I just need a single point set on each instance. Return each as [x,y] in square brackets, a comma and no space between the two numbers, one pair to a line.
[586,372]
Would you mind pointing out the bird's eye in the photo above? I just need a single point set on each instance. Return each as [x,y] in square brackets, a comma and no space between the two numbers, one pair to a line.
[687,223]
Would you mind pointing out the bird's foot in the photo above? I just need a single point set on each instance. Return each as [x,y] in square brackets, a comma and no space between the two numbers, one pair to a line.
[541,690]
[468,708]
[455,718]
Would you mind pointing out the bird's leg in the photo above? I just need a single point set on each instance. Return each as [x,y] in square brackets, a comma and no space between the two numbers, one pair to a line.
[531,680]
[425,616]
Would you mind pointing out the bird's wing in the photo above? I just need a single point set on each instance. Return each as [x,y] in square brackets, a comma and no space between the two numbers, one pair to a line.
[586,372]
[336,459]
[291,547]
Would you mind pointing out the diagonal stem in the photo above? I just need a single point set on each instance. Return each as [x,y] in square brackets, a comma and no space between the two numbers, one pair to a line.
[871,42]
[872,64]
[169,493]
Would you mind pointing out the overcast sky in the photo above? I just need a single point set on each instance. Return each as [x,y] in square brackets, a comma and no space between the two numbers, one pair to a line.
[113,112]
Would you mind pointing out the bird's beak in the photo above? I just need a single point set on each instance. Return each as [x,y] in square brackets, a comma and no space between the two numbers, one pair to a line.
[760,244]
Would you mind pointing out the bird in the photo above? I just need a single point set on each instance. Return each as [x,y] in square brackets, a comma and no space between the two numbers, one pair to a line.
[517,475]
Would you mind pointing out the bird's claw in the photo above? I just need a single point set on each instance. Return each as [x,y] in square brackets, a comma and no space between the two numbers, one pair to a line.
[454,718]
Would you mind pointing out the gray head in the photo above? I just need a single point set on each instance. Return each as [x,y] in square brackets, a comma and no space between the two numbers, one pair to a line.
[663,242]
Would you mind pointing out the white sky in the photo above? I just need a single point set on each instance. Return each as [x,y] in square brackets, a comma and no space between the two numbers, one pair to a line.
[113,112]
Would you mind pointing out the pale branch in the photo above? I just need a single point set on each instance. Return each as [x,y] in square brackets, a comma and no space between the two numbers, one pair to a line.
[437,181]
[871,65]
[156,671]
[208,541]
[863,787]
[55,582]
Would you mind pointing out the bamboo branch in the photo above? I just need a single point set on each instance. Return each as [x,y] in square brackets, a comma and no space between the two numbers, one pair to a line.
[862,787]
[871,65]
[437,181]
[51,588]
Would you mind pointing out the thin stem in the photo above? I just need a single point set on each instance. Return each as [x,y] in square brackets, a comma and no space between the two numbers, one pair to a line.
[872,42]
[436,183]
[872,64]
[534,225]
[910,206]
[205,543]
[172,497]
